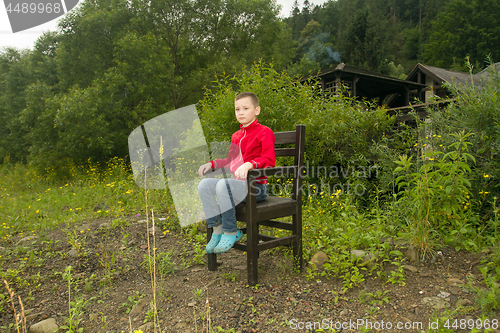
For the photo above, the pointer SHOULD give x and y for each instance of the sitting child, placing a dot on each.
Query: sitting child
(252, 147)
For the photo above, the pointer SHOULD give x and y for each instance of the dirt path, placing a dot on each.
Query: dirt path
(284, 301)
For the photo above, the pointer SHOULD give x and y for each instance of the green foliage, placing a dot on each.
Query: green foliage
(107, 260)
(413, 45)
(164, 263)
(198, 294)
(283, 102)
(437, 183)
(360, 40)
(476, 110)
(368, 34)
(464, 29)
(14, 79)
(489, 297)
(377, 298)
(29, 207)
(347, 135)
(346, 138)
(76, 306)
(229, 276)
(436, 192)
(131, 302)
(396, 276)
(335, 225)
(316, 49)
(116, 64)
(59, 106)
(87, 41)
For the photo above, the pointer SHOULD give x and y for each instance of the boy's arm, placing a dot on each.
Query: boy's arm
(267, 157)
(234, 151)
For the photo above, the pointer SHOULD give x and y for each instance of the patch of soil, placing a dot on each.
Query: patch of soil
(193, 297)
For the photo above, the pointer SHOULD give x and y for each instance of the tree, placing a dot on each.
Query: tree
(43, 59)
(465, 29)
(116, 64)
(204, 37)
(38, 118)
(87, 40)
(329, 17)
(413, 38)
(15, 76)
(360, 43)
(316, 48)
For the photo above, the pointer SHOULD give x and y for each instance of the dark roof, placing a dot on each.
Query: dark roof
(369, 84)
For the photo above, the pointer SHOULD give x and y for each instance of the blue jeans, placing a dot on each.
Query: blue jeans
(228, 193)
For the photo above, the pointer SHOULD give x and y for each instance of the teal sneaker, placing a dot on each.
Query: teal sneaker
(227, 242)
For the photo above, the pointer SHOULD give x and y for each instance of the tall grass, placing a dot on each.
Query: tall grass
(31, 203)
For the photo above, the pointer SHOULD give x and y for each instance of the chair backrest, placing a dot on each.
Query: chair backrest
(297, 138)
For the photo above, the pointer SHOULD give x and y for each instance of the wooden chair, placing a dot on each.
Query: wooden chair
(266, 212)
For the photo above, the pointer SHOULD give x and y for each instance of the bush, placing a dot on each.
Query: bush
(340, 130)
(476, 110)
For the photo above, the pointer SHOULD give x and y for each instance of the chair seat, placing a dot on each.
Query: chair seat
(271, 208)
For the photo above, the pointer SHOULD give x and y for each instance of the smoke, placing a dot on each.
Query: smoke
(334, 55)
(321, 50)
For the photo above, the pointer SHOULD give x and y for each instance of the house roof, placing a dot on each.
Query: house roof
(486, 73)
(368, 84)
(441, 75)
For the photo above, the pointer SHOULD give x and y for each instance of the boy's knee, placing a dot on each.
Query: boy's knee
(221, 188)
(203, 185)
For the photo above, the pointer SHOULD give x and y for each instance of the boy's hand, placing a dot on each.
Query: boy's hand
(204, 169)
(242, 171)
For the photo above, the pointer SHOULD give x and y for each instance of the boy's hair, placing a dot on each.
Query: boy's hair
(255, 99)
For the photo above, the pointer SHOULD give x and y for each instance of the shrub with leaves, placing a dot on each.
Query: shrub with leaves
(475, 109)
(340, 129)
(435, 190)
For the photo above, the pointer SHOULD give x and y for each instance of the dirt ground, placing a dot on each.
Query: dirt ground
(191, 298)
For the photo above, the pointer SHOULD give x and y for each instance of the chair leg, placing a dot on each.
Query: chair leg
(252, 254)
(297, 245)
(211, 257)
(252, 268)
(212, 261)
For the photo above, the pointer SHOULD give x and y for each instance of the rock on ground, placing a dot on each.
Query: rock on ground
(45, 326)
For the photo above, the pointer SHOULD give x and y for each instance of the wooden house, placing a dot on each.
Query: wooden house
(364, 84)
(434, 79)
(424, 85)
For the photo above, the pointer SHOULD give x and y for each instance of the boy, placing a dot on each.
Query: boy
(252, 147)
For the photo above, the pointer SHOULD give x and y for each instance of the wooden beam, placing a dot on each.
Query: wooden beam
(354, 84)
(406, 94)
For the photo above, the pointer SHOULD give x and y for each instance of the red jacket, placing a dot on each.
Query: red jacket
(254, 144)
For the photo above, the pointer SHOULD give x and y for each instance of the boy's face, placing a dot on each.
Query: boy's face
(245, 111)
